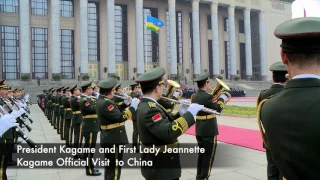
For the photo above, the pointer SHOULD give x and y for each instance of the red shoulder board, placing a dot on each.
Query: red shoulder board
(78, 100)
(87, 104)
(156, 117)
(110, 107)
(213, 100)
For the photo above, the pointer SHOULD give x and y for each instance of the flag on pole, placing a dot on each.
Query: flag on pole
(153, 24)
(304, 12)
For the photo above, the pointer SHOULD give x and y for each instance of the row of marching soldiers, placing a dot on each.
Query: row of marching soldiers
(71, 111)
(14, 111)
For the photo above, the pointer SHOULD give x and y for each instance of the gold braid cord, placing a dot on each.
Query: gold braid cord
(258, 99)
(260, 122)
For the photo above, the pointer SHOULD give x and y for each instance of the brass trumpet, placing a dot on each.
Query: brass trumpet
(288, 76)
(173, 87)
(207, 110)
(220, 89)
(122, 97)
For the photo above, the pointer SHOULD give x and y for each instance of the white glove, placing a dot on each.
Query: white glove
(7, 122)
(128, 101)
(224, 97)
(176, 94)
(15, 114)
(124, 94)
(195, 108)
(134, 103)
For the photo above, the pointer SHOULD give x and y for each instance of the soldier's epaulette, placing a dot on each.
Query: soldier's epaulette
(152, 104)
(106, 99)
(85, 98)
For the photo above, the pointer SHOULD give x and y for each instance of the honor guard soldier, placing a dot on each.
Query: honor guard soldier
(135, 93)
(157, 128)
(57, 110)
(62, 122)
(67, 117)
(76, 119)
(206, 126)
(291, 117)
(48, 105)
(113, 131)
(90, 126)
(53, 107)
(279, 71)
(120, 101)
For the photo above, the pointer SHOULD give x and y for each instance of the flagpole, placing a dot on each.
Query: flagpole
(145, 42)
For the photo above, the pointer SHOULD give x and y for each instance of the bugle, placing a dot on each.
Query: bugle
(19, 131)
(25, 114)
(207, 110)
(122, 97)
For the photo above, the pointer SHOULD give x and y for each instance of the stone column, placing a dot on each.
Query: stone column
(55, 36)
(111, 38)
(83, 37)
(232, 40)
(173, 38)
(139, 37)
(25, 38)
(262, 34)
(196, 38)
(215, 39)
(247, 30)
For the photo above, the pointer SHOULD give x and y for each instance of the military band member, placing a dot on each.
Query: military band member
(119, 92)
(57, 110)
(279, 72)
(90, 126)
(62, 121)
(113, 131)
(76, 119)
(135, 93)
(157, 127)
(67, 116)
(96, 91)
(206, 126)
(291, 117)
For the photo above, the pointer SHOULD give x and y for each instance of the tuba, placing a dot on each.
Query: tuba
(173, 87)
(220, 89)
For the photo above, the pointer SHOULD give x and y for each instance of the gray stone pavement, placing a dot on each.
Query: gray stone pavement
(238, 163)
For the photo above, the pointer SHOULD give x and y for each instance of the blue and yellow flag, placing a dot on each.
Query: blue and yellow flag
(154, 24)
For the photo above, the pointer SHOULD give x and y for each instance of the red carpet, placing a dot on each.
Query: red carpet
(237, 136)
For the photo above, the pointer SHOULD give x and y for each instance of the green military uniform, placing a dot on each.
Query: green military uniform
(46, 103)
(52, 107)
(135, 134)
(157, 127)
(57, 110)
(61, 112)
(90, 127)
(5, 146)
(76, 120)
(291, 117)
(279, 71)
(206, 127)
(66, 101)
(113, 131)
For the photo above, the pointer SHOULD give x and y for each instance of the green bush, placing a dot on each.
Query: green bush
(239, 110)
(25, 77)
(85, 77)
(56, 77)
(220, 77)
(236, 78)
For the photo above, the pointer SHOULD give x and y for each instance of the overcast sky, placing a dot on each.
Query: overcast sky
(312, 8)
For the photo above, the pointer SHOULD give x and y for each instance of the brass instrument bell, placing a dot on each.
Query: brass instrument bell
(220, 89)
(173, 87)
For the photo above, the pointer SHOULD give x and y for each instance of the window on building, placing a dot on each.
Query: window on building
(178, 36)
(151, 39)
(39, 7)
(67, 53)
(209, 22)
(241, 26)
(121, 32)
(226, 24)
(210, 55)
(227, 59)
(10, 52)
(9, 6)
(66, 8)
(93, 32)
(39, 53)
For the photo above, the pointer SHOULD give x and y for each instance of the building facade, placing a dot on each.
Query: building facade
(229, 38)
